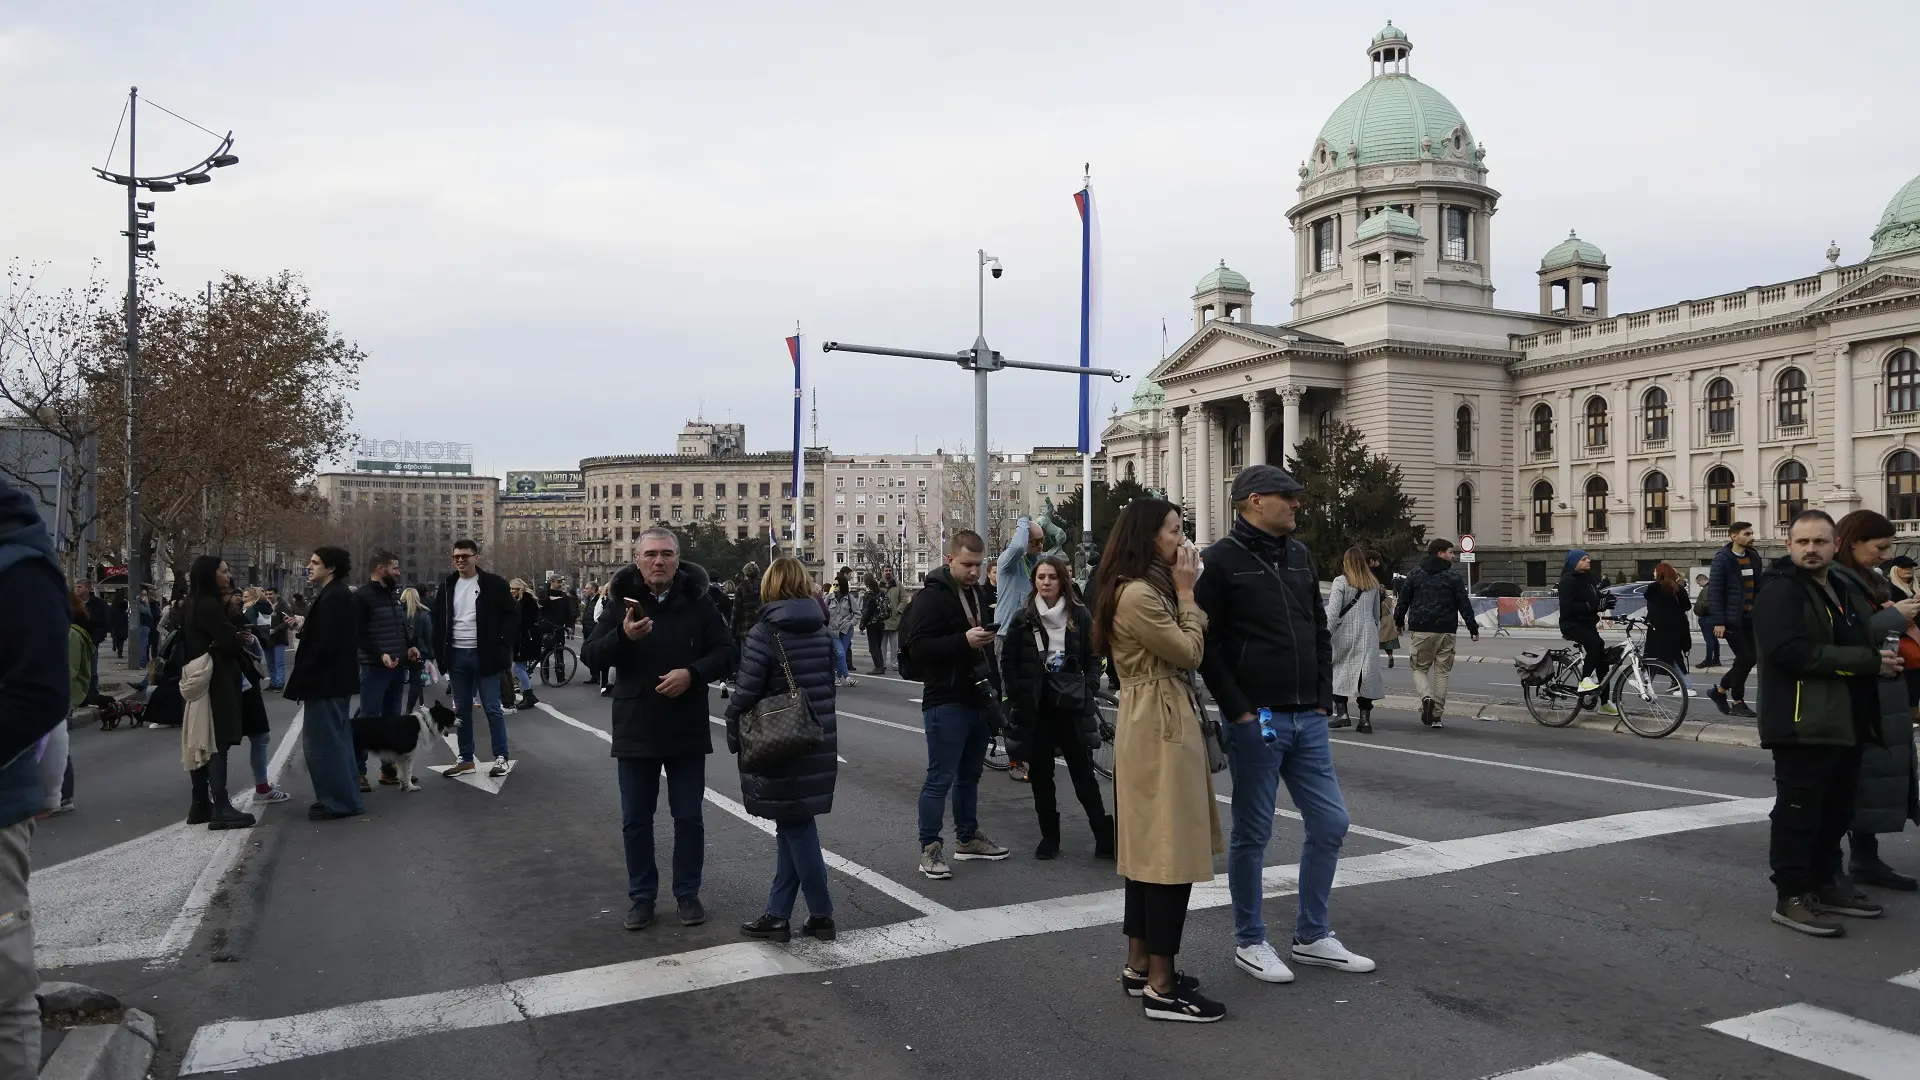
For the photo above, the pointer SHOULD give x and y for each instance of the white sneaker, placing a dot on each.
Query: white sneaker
(499, 767)
(1589, 684)
(1262, 962)
(1328, 952)
(851, 681)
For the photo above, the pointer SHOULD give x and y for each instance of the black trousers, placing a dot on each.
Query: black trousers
(877, 646)
(1157, 914)
(1050, 731)
(1813, 805)
(1740, 640)
(1588, 638)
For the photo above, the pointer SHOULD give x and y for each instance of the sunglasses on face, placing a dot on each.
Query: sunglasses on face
(463, 554)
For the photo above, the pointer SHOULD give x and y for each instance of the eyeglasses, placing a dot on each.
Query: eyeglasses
(463, 554)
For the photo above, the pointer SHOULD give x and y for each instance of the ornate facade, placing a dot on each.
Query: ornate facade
(1638, 436)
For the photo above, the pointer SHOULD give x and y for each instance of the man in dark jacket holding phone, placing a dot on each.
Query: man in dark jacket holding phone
(666, 641)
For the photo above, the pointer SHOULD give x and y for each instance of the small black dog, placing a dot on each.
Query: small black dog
(396, 738)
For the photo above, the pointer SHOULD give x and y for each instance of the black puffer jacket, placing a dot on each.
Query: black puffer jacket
(802, 787)
(380, 623)
(1025, 670)
(687, 633)
(1267, 641)
(1434, 600)
(1580, 599)
(936, 640)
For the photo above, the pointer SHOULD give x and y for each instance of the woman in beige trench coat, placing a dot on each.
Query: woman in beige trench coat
(1167, 829)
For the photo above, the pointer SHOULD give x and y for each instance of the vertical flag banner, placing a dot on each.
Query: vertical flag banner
(799, 455)
(1089, 307)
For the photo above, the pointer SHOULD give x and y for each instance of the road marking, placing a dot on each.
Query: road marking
(1911, 978)
(1391, 838)
(1838, 1041)
(478, 778)
(240, 1044)
(1579, 1067)
(721, 721)
(882, 723)
(1538, 769)
(873, 879)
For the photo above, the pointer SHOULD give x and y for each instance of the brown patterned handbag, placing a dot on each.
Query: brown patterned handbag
(778, 729)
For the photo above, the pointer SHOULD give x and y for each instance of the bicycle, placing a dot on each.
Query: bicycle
(558, 662)
(1651, 696)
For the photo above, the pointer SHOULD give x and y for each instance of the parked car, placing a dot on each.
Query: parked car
(1631, 588)
(1497, 588)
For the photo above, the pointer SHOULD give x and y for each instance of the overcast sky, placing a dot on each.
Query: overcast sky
(563, 236)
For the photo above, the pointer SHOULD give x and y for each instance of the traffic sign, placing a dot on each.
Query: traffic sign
(1466, 543)
(1466, 556)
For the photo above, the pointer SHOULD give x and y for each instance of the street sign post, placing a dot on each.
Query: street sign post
(1466, 545)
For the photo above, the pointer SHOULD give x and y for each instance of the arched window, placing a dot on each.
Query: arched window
(1790, 485)
(1463, 432)
(1720, 407)
(1542, 508)
(1130, 476)
(1790, 398)
(1463, 510)
(1653, 498)
(1596, 422)
(1719, 497)
(1654, 407)
(1597, 505)
(1903, 382)
(1903, 486)
(1543, 428)
(1236, 448)
(1323, 425)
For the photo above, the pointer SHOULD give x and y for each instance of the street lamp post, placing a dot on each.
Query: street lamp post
(138, 247)
(982, 361)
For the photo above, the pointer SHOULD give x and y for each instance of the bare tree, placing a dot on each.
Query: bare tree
(1002, 510)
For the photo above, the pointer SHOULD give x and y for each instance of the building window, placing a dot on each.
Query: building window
(1597, 505)
(1596, 423)
(1463, 432)
(1903, 382)
(1653, 495)
(807, 490)
(1463, 510)
(1903, 486)
(1326, 244)
(1654, 408)
(1792, 397)
(1323, 425)
(1790, 486)
(1543, 428)
(1456, 219)
(1536, 573)
(1543, 508)
(1719, 497)
(765, 510)
(653, 510)
(1236, 448)
(677, 514)
(1720, 407)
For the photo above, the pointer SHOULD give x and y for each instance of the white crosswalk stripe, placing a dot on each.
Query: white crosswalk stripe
(1580, 1067)
(1842, 1043)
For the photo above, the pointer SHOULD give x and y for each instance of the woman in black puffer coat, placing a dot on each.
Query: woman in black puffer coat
(793, 792)
(1039, 723)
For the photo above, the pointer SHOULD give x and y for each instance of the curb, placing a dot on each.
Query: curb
(1716, 733)
(121, 1050)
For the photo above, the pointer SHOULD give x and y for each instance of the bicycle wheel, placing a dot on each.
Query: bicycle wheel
(1103, 754)
(1554, 703)
(559, 666)
(1652, 701)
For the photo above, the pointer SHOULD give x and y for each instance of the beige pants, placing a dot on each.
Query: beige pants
(19, 1011)
(1432, 665)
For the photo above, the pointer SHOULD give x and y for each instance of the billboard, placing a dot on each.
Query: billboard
(413, 455)
(544, 486)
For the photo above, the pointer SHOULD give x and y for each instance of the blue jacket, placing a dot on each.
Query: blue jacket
(1016, 574)
(34, 621)
(803, 787)
(1726, 588)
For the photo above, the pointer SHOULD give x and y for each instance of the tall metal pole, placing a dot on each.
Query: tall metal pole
(980, 408)
(134, 568)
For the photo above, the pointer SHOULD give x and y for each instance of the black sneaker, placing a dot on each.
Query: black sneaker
(1135, 983)
(607, 691)
(1876, 873)
(1739, 708)
(639, 916)
(1833, 900)
(1185, 1005)
(1800, 913)
(1426, 711)
(820, 928)
(768, 928)
(1718, 695)
(691, 912)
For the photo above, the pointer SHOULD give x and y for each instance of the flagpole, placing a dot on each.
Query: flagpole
(1088, 328)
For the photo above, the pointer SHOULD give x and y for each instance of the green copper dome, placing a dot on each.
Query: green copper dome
(1899, 228)
(1390, 220)
(1392, 118)
(1570, 251)
(1149, 396)
(1223, 279)
(1390, 33)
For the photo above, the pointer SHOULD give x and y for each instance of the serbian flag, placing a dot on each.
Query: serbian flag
(799, 459)
(1089, 307)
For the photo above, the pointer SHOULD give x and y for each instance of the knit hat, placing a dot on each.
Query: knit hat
(1574, 555)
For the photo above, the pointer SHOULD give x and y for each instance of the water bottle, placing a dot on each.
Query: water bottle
(1267, 734)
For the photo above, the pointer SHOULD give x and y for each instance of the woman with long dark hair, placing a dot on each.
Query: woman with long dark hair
(843, 614)
(527, 642)
(1166, 827)
(208, 629)
(1888, 795)
(1051, 679)
(1669, 634)
(1355, 606)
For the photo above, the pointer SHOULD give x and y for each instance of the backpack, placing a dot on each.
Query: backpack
(1533, 666)
(1700, 608)
(882, 608)
(908, 667)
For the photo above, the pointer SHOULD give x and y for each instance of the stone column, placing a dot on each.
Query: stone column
(1290, 420)
(1256, 427)
(1600, 297)
(1683, 523)
(1755, 487)
(1546, 297)
(1620, 514)
(1177, 467)
(1569, 446)
(1844, 497)
(1203, 478)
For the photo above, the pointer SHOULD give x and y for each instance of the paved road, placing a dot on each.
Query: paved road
(1530, 895)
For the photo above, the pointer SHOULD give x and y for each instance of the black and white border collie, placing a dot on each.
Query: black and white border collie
(397, 738)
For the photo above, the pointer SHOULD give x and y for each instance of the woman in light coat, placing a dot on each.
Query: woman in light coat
(1353, 619)
(1166, 824)
(843, 614)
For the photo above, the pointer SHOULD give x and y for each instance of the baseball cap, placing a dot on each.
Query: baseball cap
(1264, 480)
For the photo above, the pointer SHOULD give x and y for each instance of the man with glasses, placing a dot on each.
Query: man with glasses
(474, 627)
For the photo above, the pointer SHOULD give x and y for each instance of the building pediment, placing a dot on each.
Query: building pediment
(1886, 284)
(1223, 343)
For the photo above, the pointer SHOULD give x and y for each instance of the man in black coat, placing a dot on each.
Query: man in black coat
(326, 675)
(666, 641)
(1432, 603)
(474, 627)
(380, 626)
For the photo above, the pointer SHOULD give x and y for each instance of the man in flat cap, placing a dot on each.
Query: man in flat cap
(1269, 664)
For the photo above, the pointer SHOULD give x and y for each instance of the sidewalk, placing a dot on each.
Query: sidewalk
(1707, 727)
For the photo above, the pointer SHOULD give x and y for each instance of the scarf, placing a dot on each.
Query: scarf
(1050, 627)
(1160, 576)
(1272, 549)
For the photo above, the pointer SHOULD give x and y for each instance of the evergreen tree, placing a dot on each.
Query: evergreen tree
(1353, 497)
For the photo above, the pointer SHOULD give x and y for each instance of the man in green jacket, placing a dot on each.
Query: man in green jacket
(1818, 705)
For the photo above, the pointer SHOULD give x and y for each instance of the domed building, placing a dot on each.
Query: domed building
(1639, 436)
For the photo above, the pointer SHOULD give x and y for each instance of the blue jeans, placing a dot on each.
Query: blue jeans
(326, 739)
(257, 755)
(799, 866)
(1712, 659)
(276, 665)
(956, 755)
(416, 681)
(842, 648)
(1303, 758)
(380, 689)
(639, 798)
(524, 677)
(465, 670)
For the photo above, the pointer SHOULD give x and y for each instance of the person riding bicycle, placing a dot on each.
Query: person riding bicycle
(1581, 604)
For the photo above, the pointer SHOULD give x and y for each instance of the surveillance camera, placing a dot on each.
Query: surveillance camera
(996, 270)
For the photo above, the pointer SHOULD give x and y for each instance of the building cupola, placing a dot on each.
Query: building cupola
(1222, 294)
